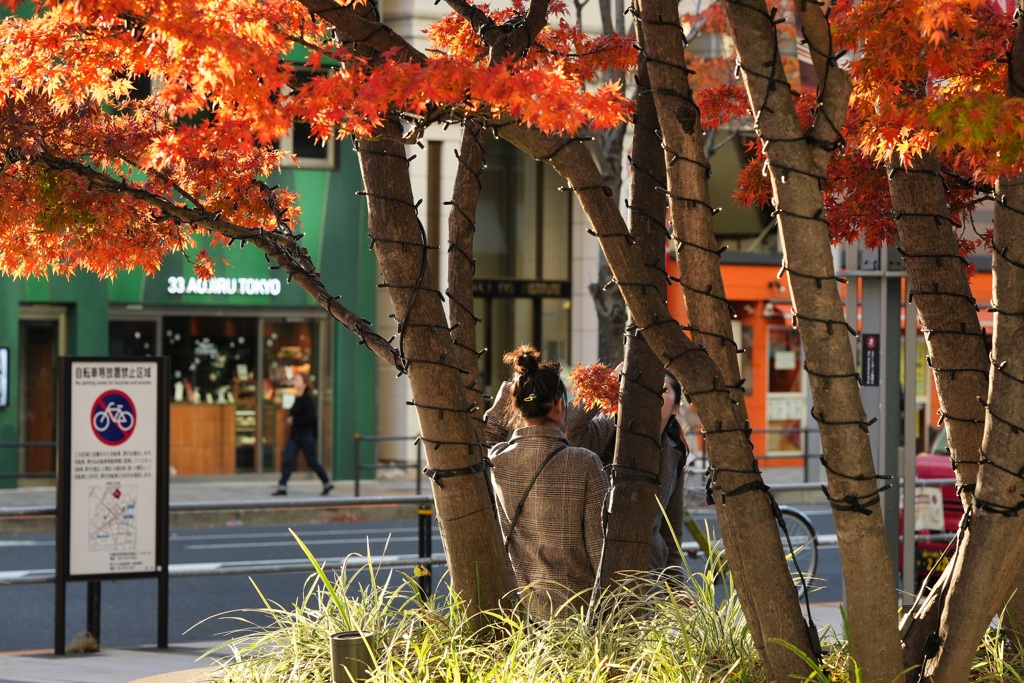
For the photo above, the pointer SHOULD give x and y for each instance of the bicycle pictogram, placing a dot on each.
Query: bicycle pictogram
(113, 417)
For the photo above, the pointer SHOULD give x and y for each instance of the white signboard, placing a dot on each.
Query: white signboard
(928, 514)
(113, 478)
(4, 360)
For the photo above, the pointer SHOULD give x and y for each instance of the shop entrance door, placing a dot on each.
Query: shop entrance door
(42, 339)
(290, 346)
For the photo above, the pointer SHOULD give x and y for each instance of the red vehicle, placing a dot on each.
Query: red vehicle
(937, 510)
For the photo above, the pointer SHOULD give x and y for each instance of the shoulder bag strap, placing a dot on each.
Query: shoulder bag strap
(522, 502)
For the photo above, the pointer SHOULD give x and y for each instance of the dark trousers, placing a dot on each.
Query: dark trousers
(306, 442)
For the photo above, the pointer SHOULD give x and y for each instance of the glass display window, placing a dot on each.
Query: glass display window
(135, 338)
(787, 399)
(213, 360)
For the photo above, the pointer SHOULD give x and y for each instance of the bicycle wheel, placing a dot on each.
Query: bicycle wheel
(801, 546)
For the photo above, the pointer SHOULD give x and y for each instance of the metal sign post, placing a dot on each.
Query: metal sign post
(112, 479)
(874, 289)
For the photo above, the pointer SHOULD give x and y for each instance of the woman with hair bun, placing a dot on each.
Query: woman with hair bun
(549, 494)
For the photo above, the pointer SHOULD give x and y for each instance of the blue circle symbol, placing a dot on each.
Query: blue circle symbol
(113, 417)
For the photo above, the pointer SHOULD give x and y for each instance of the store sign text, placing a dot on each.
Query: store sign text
(246, 286)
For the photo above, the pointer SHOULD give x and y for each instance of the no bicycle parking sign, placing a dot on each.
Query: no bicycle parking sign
(112, 507)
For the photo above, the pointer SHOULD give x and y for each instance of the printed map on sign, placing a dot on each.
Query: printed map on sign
(112, 524)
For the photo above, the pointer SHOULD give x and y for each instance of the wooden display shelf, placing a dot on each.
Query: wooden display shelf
(202, 438)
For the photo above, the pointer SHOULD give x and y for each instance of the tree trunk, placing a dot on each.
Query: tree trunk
(697, 252)
(993, 536)
(937, 281)
(748, 527)
(611, 310)
(688, 171)
(462, 265)
(480, 571)
(612, 316)
(635, 469)
(987, 562)
(1010, 196)
(797, 171)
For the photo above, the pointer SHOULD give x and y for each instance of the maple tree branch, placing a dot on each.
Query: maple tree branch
(359, 29)
(511, 39)
(834, 88)
(279, 245)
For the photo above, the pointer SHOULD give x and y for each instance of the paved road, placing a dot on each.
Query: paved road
(128, 607)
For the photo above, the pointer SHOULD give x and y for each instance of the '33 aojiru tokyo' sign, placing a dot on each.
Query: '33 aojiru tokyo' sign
(112, 475)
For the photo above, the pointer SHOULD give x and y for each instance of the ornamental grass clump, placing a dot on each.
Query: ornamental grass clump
(647, 629)
(687, 629)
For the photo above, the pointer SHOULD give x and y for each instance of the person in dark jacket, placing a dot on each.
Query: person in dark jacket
(303, 422)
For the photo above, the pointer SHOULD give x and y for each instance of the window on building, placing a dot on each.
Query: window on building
(523, 256)
(309, 152)
(135, 338)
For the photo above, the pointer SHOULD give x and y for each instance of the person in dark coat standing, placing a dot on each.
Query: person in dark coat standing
(549, 494)
(303, 421)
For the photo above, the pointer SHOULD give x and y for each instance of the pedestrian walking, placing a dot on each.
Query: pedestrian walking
(303, 421)
(549, 494)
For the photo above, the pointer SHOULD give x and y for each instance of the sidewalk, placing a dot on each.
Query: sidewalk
(177, 664)
(254, 491)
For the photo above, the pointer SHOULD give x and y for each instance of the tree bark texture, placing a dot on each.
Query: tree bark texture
(937, 282)
(1008, 194)
(987, 563)
(751, 537)
(635, 468)
(797, 171)
(462, 264)
(987, 567)
(687, 173)
(480, 570)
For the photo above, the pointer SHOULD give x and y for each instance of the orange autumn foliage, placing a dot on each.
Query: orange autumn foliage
(225, 91)
(595, 386)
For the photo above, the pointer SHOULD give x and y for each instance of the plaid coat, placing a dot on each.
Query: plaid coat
(555, 547)
(597, 433)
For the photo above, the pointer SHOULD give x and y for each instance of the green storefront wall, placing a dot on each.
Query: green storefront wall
(334, 222)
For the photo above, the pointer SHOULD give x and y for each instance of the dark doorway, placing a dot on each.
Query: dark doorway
(39, 347)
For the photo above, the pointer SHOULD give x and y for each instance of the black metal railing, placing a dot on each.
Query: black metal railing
(424, 513)
(358, 466)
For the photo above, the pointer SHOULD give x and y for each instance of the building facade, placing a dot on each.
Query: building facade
(234, 342)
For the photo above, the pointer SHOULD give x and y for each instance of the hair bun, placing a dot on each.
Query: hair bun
(524, 360)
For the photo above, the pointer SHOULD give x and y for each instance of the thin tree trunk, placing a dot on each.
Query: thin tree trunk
(612, 316)
(937, 281)
(480, 571)
(995, 535)
(748, 527)
(987, 562)
(1010, 196)
(635, 469)
(797, 167)
(462, 265)
(688, 171)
